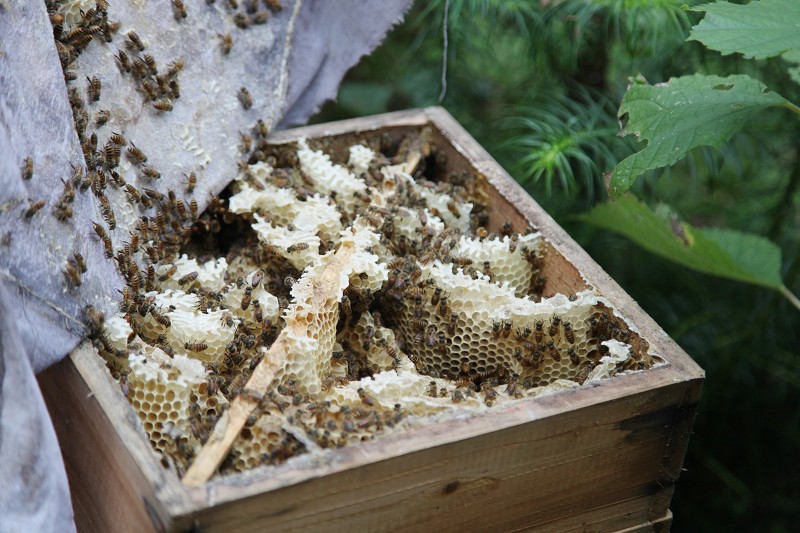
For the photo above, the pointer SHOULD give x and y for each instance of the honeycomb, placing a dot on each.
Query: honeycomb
(381, 292)
(170, 395)
(365, 274)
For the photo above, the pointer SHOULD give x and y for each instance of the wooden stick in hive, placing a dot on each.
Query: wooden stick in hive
(326, 287)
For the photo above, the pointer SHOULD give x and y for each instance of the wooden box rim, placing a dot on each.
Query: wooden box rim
(178, 500)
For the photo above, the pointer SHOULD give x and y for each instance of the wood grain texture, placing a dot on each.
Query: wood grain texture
(603, 457)
(110, 491)
(596, 465)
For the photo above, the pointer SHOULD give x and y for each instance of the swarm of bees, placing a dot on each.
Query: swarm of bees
(455, 310)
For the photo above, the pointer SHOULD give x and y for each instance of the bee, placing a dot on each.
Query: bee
(346, 306)
(507, 228)
(241, 20)
(33, 209)
(188, 278)
(134, 41)
(374, 220)
(583, 373)
(462, 261)
(496, 329)
(150, 172)
(512, 244)
(163, 105)
(101, 232)
(107, 212)
(457, 396)
(245, 98)
(536, 358)
(94, 88)
(274, 5)
(298, 247)
(175, 88)
(437, 294)
(430, 336)
(161, 319)
(481, 232)
(451, 326)
(191, 182)
(27, 168)
(487, 269)
(366, 198)
(554, 354)
(539, 331)
(63, 212)
(489, 395)
(175, 67)
(569, 333)
(511, 387)
(443, 308)
(453, 208)
(152, 254)
(135, 155)
(193, 209)
(180, 9)
(573, 356)
(524, 334)
(195, 346)
(366, 399)
(432, 390)
(246, 298)
(260, 17)
(392, 351)
(227, 42)
(507, 325)
(442, 346)
(95, 318)
(73, 274)
(553, 330)
(111, 151)
(118, 139)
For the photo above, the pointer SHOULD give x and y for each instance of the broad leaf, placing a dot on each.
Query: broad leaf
(682, 114)
(793, 57)
(758, 30)
(721, 252)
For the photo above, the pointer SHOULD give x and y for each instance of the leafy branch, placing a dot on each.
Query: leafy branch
(698, 110)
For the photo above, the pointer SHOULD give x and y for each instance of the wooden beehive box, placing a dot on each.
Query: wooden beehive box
(603, 457)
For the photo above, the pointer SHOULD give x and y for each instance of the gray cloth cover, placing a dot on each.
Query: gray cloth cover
(290, 65)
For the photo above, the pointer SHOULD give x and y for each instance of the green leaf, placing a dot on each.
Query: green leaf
(720, 252)
(793, 57)
(757, 30)
(682, 114)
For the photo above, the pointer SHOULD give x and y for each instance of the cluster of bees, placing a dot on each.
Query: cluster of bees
(410, 304)
(169, 227)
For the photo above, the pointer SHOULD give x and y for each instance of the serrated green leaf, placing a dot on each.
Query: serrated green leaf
(682, 114)
(758, 30)
(720, 252)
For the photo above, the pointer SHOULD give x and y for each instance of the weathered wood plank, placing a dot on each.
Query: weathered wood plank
(554, 473)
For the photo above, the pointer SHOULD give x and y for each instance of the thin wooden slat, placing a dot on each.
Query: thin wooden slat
(229, 426)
